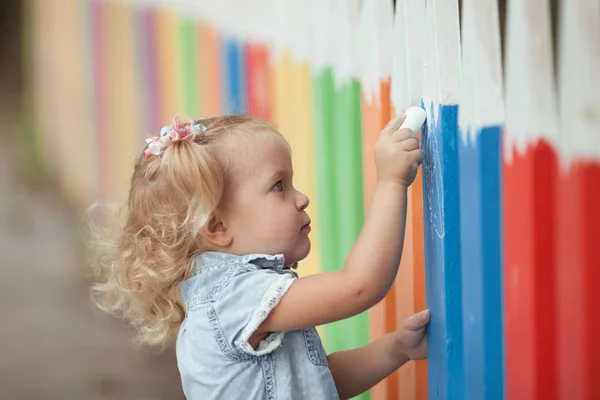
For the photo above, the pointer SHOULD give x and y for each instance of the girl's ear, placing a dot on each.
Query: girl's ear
(216, 233)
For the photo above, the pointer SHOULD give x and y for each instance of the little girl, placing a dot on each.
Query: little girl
(213, 230)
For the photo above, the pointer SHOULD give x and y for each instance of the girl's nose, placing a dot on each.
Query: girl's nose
(302, 201)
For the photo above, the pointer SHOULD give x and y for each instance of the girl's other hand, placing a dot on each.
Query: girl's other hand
(411, 338)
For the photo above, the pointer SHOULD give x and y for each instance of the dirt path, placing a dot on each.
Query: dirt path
(53, 344)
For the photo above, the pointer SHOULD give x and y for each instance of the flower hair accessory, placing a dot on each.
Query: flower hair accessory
(172, 133)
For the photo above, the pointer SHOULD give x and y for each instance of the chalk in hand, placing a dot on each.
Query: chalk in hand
(415, 117)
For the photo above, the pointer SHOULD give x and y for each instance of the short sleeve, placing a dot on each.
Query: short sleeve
(246, 301)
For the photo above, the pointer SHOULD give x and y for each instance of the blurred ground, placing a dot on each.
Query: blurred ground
(53, 344)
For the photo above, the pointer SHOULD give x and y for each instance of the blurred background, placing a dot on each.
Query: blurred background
(54, 345)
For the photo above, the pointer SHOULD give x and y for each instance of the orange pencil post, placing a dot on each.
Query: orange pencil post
(376, 32)
(210, 82)
(413, 378)
(409, 288)
(406, 89)
(376, 114)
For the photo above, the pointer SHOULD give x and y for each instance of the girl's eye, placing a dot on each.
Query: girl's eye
(278, 187)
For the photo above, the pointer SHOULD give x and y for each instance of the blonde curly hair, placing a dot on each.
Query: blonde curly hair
(139, 266)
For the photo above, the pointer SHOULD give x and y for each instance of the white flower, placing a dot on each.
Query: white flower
(155, 147)
(198, 129)
(165, 130)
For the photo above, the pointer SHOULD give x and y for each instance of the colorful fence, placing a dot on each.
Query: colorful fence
(502, 239)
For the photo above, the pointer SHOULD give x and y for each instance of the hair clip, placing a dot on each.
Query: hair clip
(172, 133)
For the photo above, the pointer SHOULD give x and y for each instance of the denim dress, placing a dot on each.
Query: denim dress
(226, 301)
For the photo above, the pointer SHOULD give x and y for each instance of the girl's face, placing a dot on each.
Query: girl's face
(264, 213)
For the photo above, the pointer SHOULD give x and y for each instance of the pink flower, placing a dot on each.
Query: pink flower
(178, 131)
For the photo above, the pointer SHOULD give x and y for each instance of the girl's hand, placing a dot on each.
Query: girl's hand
(410, 339)
(357, 370)
(397, 153)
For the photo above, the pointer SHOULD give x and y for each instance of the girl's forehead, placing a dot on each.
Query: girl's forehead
(260, 156)
(271, 154)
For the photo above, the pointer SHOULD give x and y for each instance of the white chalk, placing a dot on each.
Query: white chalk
(415, 117)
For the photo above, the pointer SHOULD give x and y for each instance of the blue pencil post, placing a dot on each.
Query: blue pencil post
(442, 252)
(481, 255)
(233, 56)
(441, 200)
(480, 159)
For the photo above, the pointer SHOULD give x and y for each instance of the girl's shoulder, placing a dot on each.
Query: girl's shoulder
(233, 295)
(221, 274)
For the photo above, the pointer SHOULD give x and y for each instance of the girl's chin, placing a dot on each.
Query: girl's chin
(300, 254)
